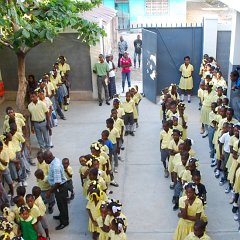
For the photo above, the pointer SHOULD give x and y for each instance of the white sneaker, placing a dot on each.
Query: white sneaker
(115, 170)
(24, 183)
(235, 217)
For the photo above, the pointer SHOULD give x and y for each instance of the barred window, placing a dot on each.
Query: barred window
(156, 7)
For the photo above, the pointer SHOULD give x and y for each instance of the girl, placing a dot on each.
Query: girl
(128, 107)
(201, 94)
(84, 171)
(191, 208)
(120, 110)
(117, 230)
(96, 153)
(206, 108)
(186, 81)
(173, 92)
(93, 206)
(191, 166)
(172, 111)
(199, 231)
(176, 125)
(126, 63)
(28, 224)
(136, 101)
(100, 220)
(173, 150)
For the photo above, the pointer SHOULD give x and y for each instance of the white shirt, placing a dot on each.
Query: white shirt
(224, 139)
(111, 73)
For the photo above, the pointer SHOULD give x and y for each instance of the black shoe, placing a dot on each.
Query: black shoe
(175, 207)
(72, 196)
(61, 226)
(32, 163)
(63, 118)
(189, 101)
(174, 200)
(56, 217)
(50, 210)
(132, 134)
(100, 104)
(126, 133)
(107, 103)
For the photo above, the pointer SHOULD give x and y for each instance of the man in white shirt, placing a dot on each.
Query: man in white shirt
(112, 84)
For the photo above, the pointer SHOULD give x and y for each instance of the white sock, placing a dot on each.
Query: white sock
(50, 141)
(189, 97)
(182, 97)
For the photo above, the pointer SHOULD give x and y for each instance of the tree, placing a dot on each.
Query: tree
(24, 24)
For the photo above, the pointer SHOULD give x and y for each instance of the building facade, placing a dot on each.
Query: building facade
(133, 12)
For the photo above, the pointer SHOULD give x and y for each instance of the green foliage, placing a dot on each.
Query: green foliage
(25, 24)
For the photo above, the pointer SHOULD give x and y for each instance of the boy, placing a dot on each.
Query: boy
(68, 174)
(165, 138)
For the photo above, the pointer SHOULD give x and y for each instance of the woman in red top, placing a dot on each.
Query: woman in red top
(125, 64)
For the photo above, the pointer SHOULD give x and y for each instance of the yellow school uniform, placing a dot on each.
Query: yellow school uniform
(186, 176)
(231, 143)
(186, 226)
(179, 169)
(113, 135)
(114, 236)
(102, 162)
(135, 112)
(50, 89)
(70, 170)
(170, 114)
(64, 68)
(20, 122)
(44, 167)
(233, 168)
(95, 211)
(233, 121)
(41, 206)
(139, 97)
(82, 171)
(192, 236)
(173, 146)
(5, 157)
(56, 81)
(212, 117)
(206, 106)
(17, 140)
(118, 124)
(108, 220)
(186, 81)
(180, 120)
(219, 83)
(35, 212)
(128, 107)
(120, 112)
(102, 235)
(165, 138)
(38, 111)
(10, 150)
(217, 97)
(178, 127)
(43, 184)
(236, 186)
(201, 94)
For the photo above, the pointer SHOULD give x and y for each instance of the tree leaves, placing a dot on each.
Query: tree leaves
(26, 23)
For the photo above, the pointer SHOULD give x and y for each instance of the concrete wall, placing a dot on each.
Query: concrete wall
(40, 60)
(177, 12)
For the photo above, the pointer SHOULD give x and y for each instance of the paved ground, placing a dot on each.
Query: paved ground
(143, 190)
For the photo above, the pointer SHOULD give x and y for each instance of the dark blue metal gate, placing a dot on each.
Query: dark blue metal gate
(173, 43)
(149, 64)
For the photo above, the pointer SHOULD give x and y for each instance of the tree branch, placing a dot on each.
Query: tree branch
(27, 49)
(6, 44)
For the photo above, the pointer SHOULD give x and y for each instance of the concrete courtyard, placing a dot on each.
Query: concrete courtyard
(143, 190)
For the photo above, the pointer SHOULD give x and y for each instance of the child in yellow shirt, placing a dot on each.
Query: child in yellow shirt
(165, 138)
(42, 181)
(36, 192)
(68, 174)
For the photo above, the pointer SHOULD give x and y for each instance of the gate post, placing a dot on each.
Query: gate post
(210, 26)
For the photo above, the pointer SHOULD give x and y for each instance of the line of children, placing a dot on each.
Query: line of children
(106, 220)
(178, 157)
(222, 129)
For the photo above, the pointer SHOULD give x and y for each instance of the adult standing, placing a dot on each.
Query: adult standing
(126, 64)
(112, 84)
(59, 187)
(40, 123)
(137, 51)
(186, 81)
(122, 47)
(101, 68)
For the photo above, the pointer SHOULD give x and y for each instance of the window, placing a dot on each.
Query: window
(156, 7)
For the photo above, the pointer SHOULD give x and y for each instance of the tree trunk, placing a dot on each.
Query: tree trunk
(21, 94)
(22, 84)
